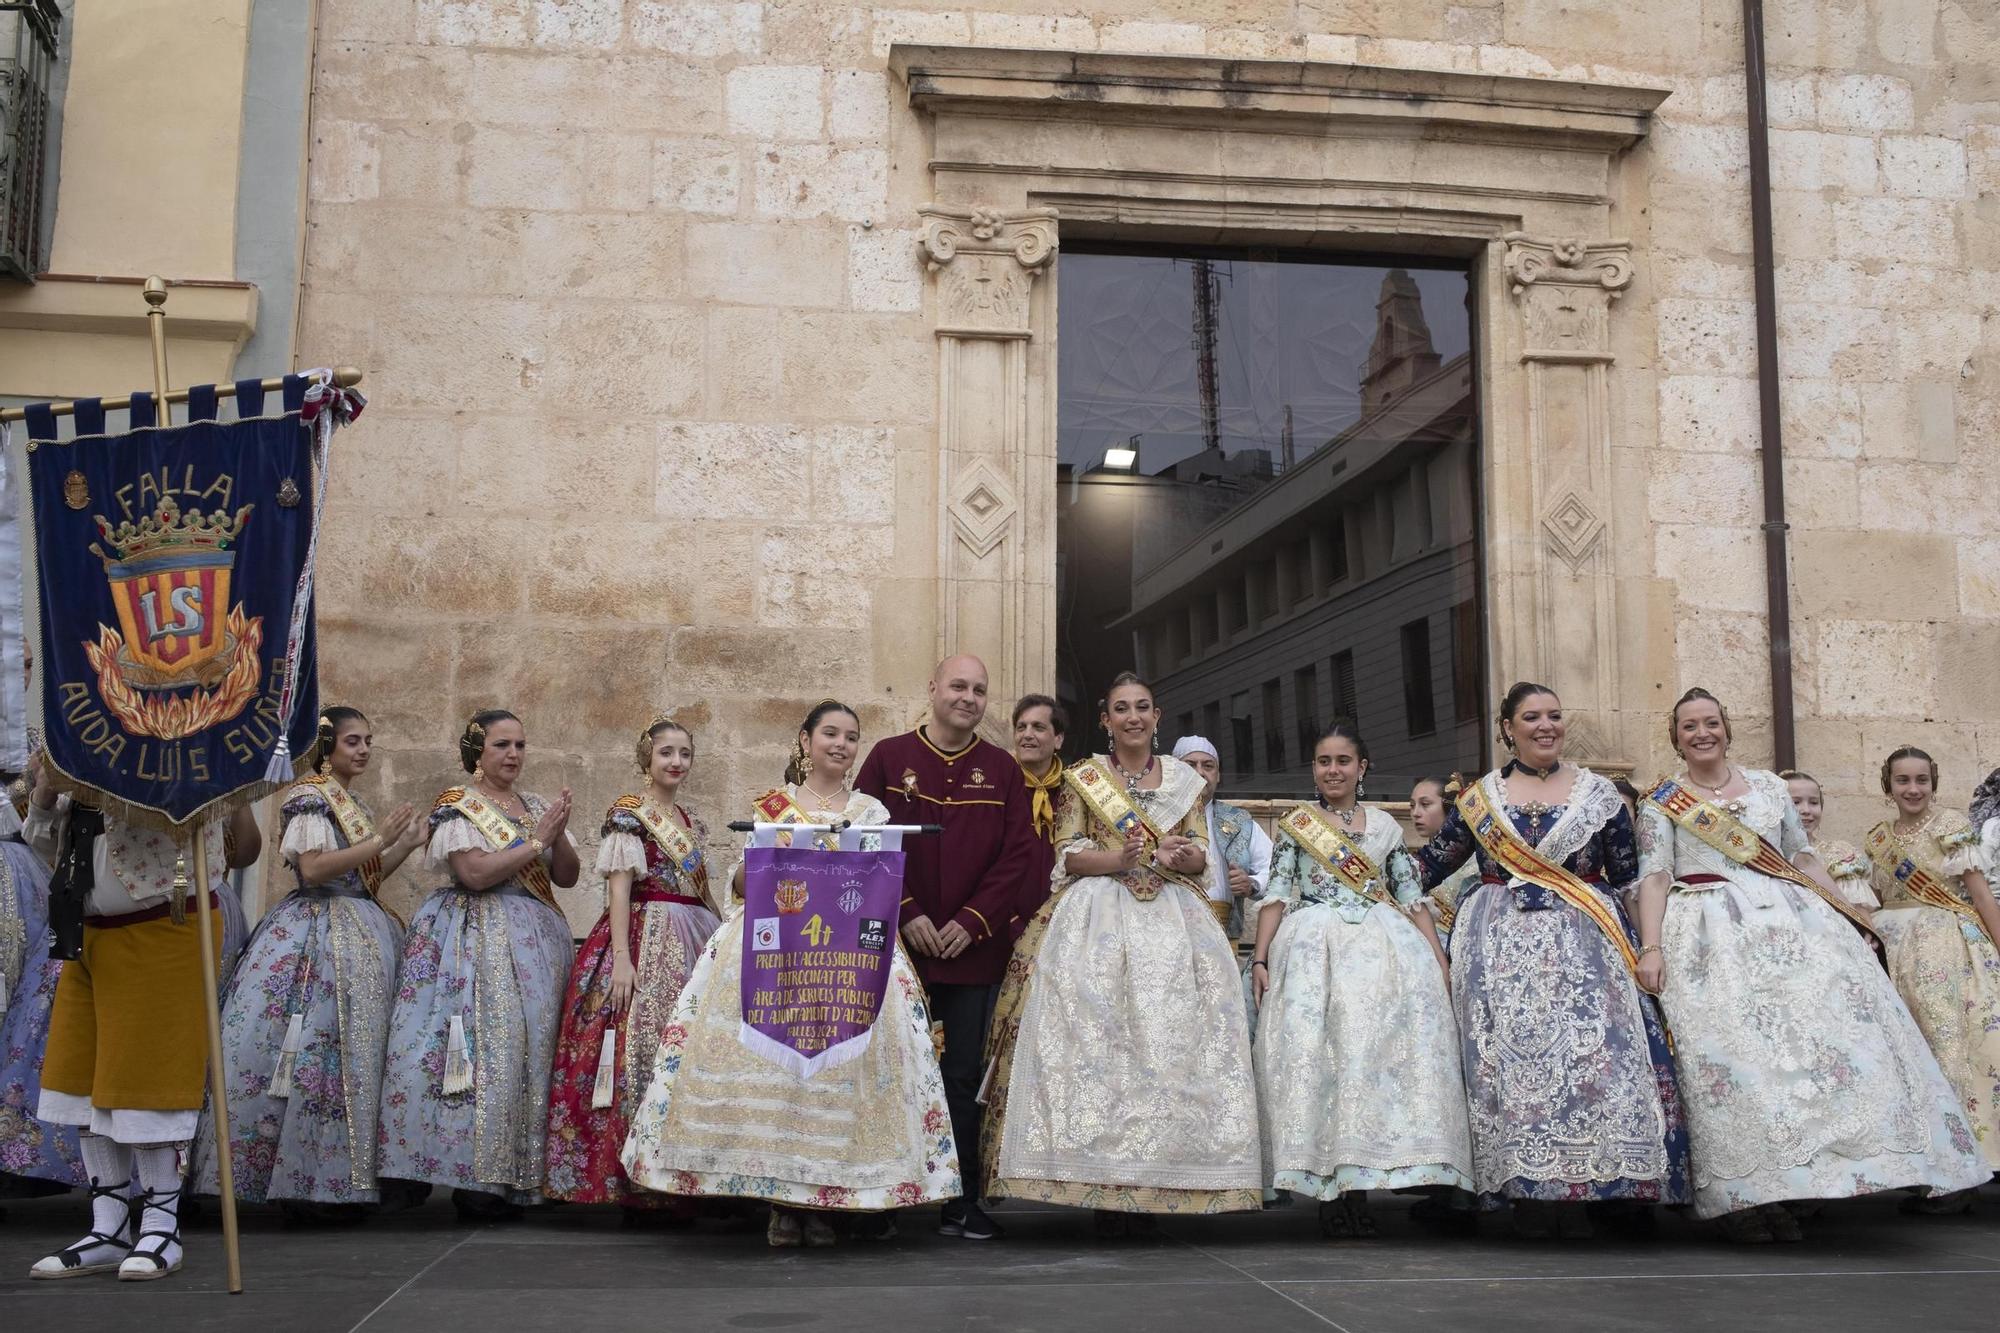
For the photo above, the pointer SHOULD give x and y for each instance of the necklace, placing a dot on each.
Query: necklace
(1345, 814)
(1897, 826)
(1715, 789)
(1522, 766)
(1132, 780)
(502, 801)
(837, 801)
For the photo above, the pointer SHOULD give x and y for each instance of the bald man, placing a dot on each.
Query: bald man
(963, 888)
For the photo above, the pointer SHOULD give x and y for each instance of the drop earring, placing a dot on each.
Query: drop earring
(478, 771)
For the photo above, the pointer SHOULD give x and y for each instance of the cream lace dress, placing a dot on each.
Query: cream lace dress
(1802, 1074)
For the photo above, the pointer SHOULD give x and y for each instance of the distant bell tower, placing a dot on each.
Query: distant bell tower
(1402, 354)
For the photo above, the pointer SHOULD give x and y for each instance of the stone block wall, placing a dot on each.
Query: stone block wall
(654, 387)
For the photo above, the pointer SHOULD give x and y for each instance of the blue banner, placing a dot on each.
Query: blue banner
(165, 562)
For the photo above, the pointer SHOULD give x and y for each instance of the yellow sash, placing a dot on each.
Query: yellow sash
(1744, 845)
(1924, 886)
(355, 826)
(1499, 839)
(1337, 853)
(1106, 797)
(777, 807)
(502, 833)
(673, 840)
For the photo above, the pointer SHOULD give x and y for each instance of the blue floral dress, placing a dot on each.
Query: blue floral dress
(496, 961)
(327, 955)
(1569, 1080)
(28, 1147)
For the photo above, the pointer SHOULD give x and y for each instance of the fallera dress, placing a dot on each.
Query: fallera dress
(1945, 967)
(1357, 1053)
(670, 923)
(1121, 1068)
(480, 979)
(718, 1119)
(1569, 1083)
(1803, 1075)
(325, 956)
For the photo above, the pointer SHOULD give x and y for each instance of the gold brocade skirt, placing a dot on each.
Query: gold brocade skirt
(1120, 1059)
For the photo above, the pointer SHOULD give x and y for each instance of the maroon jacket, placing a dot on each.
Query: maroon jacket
(976, 871)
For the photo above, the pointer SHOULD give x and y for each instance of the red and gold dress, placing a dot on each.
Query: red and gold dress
(594, 1083)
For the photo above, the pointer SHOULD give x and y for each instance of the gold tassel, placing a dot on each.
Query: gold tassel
(280, 1086)
(457, 1061)
(607, 1070)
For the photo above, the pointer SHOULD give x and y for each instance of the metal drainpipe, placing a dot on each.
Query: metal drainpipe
(1771, 425)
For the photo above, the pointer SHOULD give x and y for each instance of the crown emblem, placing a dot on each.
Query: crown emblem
(791, 897)
(169, 536)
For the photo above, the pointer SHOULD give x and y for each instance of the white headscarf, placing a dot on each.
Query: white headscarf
(1188, 745)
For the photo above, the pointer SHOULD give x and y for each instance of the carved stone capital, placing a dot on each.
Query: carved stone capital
(1565, 289)
(986, 262)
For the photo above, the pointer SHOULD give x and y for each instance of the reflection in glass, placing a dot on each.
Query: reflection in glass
(1268, 505)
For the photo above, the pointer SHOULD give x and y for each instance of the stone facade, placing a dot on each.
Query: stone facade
(710, 346)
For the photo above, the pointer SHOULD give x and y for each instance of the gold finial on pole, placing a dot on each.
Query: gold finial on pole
(156, 323)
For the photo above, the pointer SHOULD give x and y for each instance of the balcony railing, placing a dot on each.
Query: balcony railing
(29, 31)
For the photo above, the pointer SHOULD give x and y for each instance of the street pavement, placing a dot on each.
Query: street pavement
(1862, 1267)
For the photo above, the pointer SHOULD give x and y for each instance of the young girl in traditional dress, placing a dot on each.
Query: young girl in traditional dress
(720, 1119)
(1844, 862)
(1802, 1073)
(1357, 1055)
(1568, 1078)
(479, 993)
(628, 976)
(305, 1022)
(1430, 798)
(1939, 921)
(1121, 1062)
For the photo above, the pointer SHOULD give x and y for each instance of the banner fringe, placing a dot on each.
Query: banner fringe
(833, 1057)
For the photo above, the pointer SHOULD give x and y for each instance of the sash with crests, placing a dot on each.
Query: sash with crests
(1924, 886)
(1336, 853)
(1500, 840)
(355, 826)
(674, 840)
(1742, 844)
(159, 580)
(501, 833)
(1105, 797)
(777, 807)
(819, 934)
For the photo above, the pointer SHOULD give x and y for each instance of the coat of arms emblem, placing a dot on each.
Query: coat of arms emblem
(791, 896)
(169, 575)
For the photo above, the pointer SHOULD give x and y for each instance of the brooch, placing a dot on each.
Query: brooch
(288, 492)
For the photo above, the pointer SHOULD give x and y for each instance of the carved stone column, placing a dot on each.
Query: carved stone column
(996, 443)
(1564, 290)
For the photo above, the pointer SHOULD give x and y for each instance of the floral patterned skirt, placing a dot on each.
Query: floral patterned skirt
(1802, 1073)
(584, 1141)
(28, 1147)
(1121, 1059)
(1948, 972)
(1357, 1059)
(1569, 1082)
(329, 958)
(720, 1120)
(495, 960)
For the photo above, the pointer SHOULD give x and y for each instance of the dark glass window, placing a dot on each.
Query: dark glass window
(1267, 462)
(1419, 710)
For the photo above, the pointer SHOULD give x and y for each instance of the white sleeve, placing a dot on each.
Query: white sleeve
(1260, 860)
(42, 829)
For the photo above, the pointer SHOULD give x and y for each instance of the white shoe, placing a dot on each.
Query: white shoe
(157, 1250)
(99, 1251)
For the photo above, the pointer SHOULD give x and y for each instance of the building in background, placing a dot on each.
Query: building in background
(723, 356)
